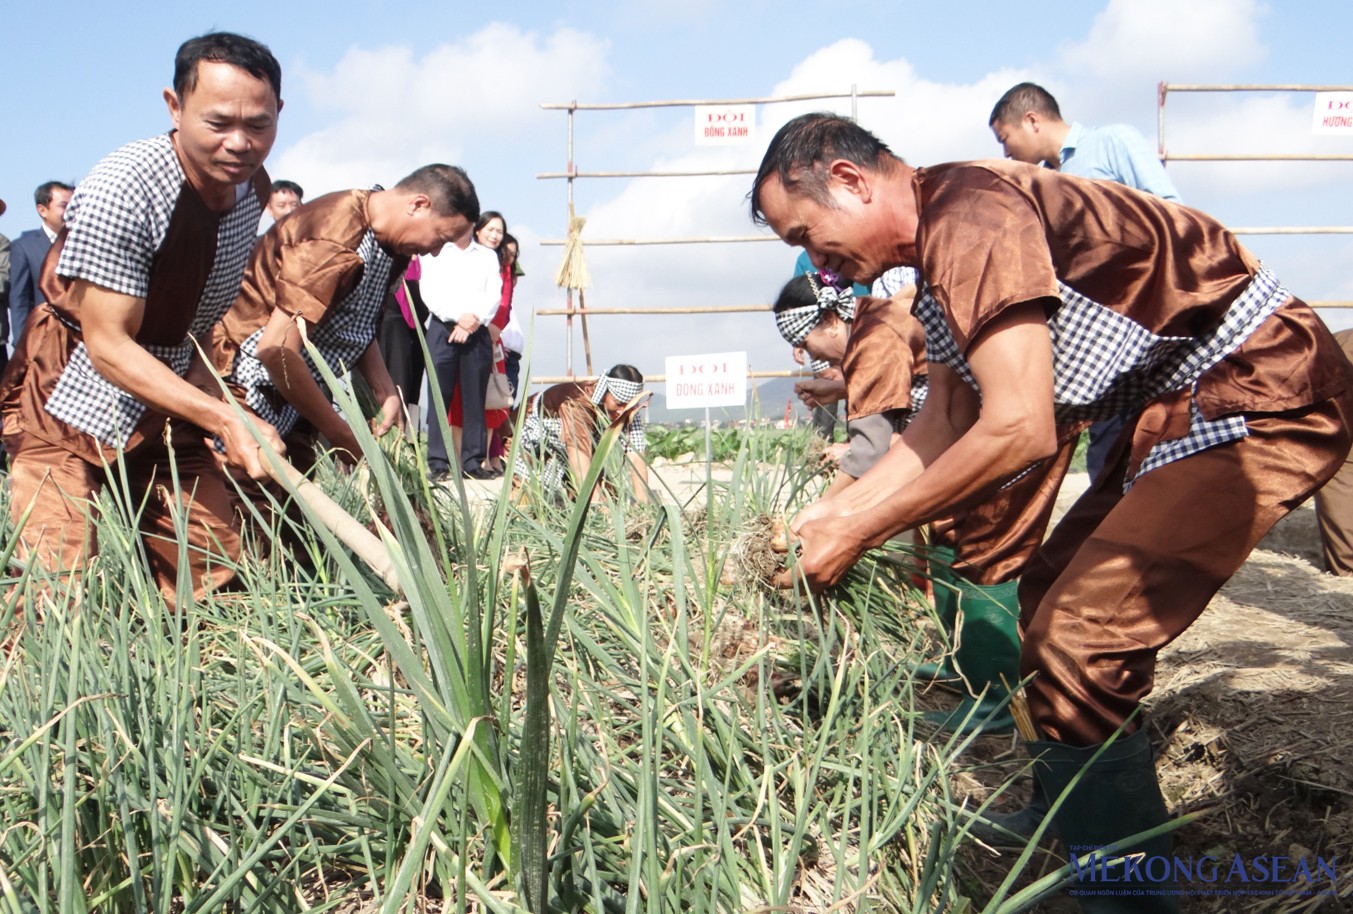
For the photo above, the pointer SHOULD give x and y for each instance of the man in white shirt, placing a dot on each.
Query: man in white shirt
(462, 287)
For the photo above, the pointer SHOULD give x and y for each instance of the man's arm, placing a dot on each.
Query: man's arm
(23, 280)
(951, 453)
(279, 349)
(4, 288)
(820, 391)
(371, 365)
(1136, 165)
(110, 321)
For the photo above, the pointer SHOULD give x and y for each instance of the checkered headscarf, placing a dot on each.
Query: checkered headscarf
(795, 324)
(622, 390)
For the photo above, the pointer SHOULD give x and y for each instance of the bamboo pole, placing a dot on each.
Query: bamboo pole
(587, 342)
(557, 242)
(647, 174)
(340, 523)
(688, 309)
(690, 103)
(1250, 87)
(546, 380)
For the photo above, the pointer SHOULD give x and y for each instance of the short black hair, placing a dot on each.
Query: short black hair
(625, 373)
(799, 149)
(448, 187)
(43, 195)
(1022, 98)
(249, 55)
(288, 185)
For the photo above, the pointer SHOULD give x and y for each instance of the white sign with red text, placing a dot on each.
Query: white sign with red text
(699, 381)
(1333, 113)
(725, 125)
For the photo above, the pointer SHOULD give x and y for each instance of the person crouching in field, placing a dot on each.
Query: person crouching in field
(333, 263)
(1242, 397)
(155, 239)
(563, 424)
(975, 557)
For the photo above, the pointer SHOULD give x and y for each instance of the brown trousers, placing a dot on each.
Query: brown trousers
(1123, 575)
(1334, 503)
(995, 539)
(59, 493)
(1334, 514)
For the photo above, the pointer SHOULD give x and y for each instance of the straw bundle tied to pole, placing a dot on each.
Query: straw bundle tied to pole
(573, 274)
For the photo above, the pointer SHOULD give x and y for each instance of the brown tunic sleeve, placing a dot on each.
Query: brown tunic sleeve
(303, 265)
(886, 350)
(983, 248)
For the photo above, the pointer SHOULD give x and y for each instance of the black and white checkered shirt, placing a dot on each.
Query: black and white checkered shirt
(345, 333)
(1105, 364)
(117, 220)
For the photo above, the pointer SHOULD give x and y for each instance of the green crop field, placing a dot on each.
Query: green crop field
(563, 709)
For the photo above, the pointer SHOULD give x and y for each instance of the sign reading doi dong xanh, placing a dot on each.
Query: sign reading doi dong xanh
(701, 381)
(725, 125)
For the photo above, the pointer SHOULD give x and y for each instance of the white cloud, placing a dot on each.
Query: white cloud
(391, 112)
(1135, 41)
(479, 98)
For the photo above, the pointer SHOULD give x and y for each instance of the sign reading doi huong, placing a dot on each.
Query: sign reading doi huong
(1333, 113)
(725, 125)
(699, 381)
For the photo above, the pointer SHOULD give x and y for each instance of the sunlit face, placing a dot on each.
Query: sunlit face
(53, 215)
(1019, 139)
(225, 127)
(420, 230)
(281, 203)
(839, 238)
(491, 235)
(510, 253)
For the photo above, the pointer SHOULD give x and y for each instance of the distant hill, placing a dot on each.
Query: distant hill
(768, 400)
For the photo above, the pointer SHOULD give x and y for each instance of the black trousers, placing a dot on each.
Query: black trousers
(403, 356)
(466, 366)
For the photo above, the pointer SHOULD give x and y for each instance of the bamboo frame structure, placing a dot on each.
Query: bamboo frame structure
(571, 174)
(1162, 92)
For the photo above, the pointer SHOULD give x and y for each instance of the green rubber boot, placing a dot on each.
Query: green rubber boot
(1117, 796)
(940, 560)
(986, 657)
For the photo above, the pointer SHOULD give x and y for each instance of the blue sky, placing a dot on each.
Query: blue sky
(374, 89)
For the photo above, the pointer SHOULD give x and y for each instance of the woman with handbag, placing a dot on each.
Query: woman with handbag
(491, 232)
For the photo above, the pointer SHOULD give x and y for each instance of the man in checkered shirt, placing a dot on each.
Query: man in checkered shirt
(156, 240)
(333, 263)
(1050, 299)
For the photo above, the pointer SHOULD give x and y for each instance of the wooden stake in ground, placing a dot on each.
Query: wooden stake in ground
(573, 274)
(340, 523)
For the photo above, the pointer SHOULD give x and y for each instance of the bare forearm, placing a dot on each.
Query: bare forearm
(969, 470)
(371, 365)
(292, 378)
(131, 367)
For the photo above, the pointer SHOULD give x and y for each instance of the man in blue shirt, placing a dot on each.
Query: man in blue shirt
(1029, 126)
